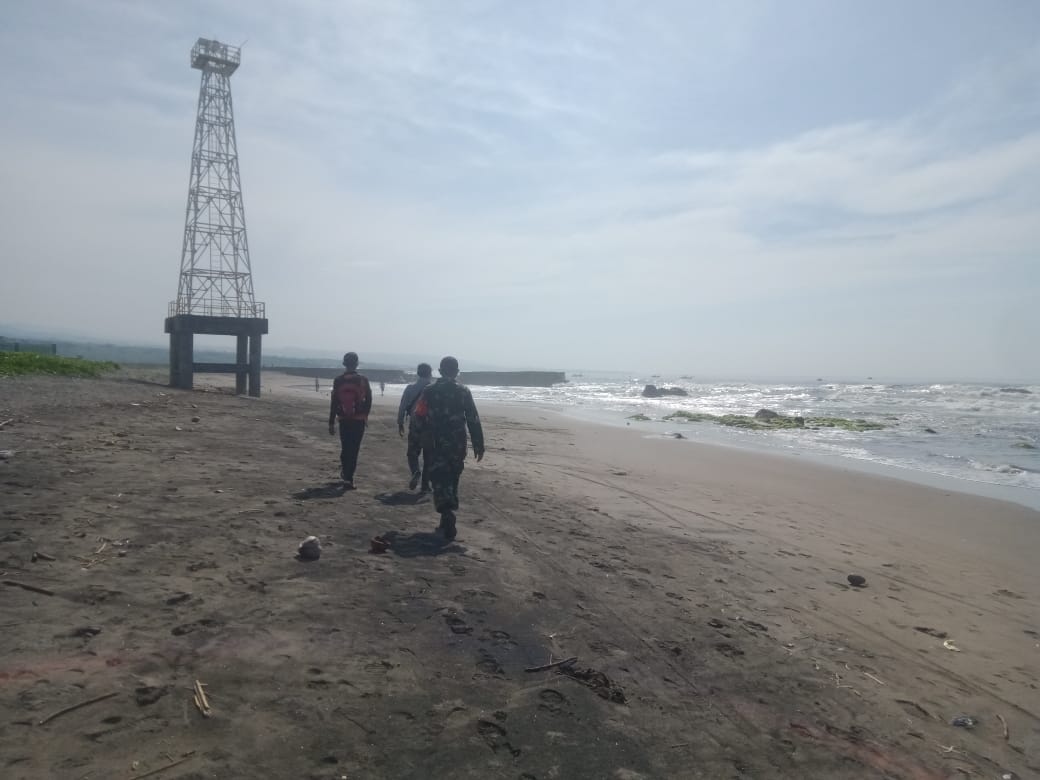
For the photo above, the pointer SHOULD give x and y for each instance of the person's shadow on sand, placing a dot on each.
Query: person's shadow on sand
(420, 543)
(329, 490)
(402, 498)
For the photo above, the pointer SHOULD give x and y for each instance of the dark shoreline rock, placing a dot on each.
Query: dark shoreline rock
(653, 391)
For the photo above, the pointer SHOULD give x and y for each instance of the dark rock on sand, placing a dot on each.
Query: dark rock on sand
(1020, 390)
(766, 414)
(653, 391)
(857, 581)
(930, 430)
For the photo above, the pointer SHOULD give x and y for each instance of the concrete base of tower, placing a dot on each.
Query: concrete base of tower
(246, 368)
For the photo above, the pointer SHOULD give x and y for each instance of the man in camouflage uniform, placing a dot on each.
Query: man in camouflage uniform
(447, 410)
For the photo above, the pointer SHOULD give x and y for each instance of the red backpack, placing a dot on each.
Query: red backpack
(351, 396)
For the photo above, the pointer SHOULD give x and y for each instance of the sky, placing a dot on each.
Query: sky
(742, 189)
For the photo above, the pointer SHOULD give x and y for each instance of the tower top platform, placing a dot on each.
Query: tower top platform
(215, 56)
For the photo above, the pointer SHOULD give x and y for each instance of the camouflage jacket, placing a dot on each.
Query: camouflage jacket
(447, 410)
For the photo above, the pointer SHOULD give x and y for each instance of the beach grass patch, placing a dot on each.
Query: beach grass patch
(24, 363)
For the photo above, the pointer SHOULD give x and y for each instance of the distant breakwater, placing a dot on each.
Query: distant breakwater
(391, 376)
(396, 376)
(514, 378)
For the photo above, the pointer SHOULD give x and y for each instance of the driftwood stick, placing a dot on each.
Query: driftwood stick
(200, 699)
(95, 700)
(33, 588)
(171, 765)
(553, 665)
(5, 422)
(42, 556)
(1007, 731)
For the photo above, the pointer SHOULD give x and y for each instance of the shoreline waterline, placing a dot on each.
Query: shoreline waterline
(708, 435)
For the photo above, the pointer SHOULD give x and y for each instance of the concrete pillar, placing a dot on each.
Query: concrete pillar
(174, 365)
(185, 360)
(254, 365)
(242, 356)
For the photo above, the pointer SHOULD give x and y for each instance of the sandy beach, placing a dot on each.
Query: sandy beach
(702, 590)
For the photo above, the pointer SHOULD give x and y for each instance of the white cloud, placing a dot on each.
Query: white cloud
(422, 168)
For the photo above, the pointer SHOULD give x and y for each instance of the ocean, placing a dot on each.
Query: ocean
(985, 435)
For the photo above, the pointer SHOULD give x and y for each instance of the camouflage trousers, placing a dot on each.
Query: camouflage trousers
(445, 468)
(418, 446)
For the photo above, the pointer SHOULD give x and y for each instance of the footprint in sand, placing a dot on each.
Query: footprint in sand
(495, 737)
(729, 650)
(487, 664)
(457, 625)
(551, 701)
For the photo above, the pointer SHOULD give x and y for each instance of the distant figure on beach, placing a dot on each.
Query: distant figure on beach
(317, 385)
(447, 410)
(382, 388)
(409, 398)
(351, 403)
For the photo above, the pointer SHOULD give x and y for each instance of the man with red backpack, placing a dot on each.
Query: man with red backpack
(351, 403)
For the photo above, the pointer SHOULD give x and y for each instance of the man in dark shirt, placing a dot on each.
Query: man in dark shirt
(351, 403)
(409, 398)
(447, 412)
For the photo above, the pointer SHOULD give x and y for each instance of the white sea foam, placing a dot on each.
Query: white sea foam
(981, 433)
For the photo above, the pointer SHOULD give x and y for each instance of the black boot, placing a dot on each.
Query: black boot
(447, 526)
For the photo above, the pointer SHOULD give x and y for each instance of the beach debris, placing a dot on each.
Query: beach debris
(553, 665)
(1008, 776)
(598, 682)
(196, 419)
(1007, 731)
(85, 632)
(872, 677)
(678, 435)
(200, 699)
(857, 580)
(33, 588)
(379, 545)
(86, 703)
(949, 645)
(163, 768)
(6, 454)
(309, 549)
(931, 632)
(178, 428)
(965, 722)
(6, 422)
(42, 556)
(913, 708)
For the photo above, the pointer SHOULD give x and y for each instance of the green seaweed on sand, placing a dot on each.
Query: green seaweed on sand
(690, 416)
(776, 423)
(639, 417)
(857, 425)
(1024, 445)
(22, 363)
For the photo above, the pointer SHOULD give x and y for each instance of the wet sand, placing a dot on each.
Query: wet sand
(702, 590)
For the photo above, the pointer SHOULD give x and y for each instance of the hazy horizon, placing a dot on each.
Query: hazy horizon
(750, 190)
(407, 362)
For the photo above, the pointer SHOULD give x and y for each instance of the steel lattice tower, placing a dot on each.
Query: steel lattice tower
(216, 279)
(215, 290)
